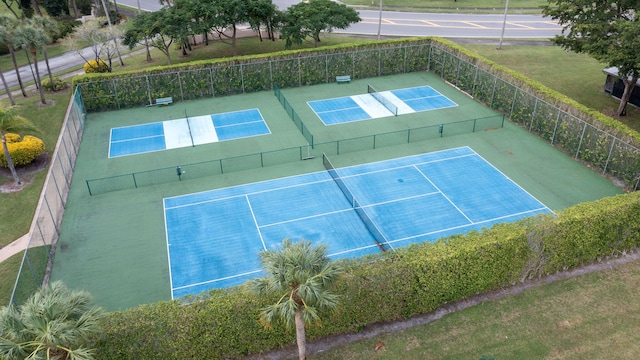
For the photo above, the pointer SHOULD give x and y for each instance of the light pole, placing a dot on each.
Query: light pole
(380, 20)
(504, 24)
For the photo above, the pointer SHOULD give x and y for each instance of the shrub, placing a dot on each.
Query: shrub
(65, 27)
(59, 84)
(23, 150)
(95, 66)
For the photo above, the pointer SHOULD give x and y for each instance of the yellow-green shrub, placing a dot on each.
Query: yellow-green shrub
(59, 83)
(95, 66)
(23, 150)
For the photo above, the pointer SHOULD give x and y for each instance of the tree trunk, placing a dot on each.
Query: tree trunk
(36, 7)
(46, 61)
(233, 41)
(9, 160)
(6, 87)
(300, 336)
(38, 83)
(629, 84)
(146, 45)
(316, 39)
(75, 9)
(15, 66)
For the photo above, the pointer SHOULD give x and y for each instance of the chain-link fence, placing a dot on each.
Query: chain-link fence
(45, 227)
(182, 172)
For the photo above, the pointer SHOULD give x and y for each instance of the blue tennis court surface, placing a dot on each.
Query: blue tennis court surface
(189, 131)
(365, 106)
(214, 237)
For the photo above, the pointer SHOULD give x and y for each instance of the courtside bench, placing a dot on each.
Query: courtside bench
(164, 101)
(343, 79)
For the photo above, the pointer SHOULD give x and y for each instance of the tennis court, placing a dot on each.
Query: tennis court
(377, 104)
(214, 237)
(115, 244)
(188, 131)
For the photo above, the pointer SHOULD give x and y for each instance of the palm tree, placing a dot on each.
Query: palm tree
(54, 323)
(11, 122)
(34, 38)
(50, 27)
(11, 23)
(301, 275)
(4, 35)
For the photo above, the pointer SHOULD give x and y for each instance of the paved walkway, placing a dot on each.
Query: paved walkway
(14, 248)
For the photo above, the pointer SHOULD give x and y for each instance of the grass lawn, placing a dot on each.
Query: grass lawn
(218, 49)
(578, 76)
(594, 316)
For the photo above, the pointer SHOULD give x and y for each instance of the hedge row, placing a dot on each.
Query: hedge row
(387, 287)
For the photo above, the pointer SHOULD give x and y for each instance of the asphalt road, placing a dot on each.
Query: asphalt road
(387, 23)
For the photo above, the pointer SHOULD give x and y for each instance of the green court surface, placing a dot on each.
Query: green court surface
(114, 244)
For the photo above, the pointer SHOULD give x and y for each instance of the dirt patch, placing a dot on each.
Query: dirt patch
(25, 174)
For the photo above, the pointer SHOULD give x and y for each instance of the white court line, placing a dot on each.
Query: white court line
(255, 221)
(308, 217)
(467, 225)
(513, 182)
(400, 167)
(138, 138)
(444, 195)
(240, 195)
(242, 123)
(166, 236)
(214, 280)
(336, 110)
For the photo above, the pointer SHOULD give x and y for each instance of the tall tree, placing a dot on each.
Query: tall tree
(4, 38)
(33, 38)
(10, 23)
(607, 30)
(99, 39)
(163, 26)
(11, 122)
(301, 275)
(230, 14)
(263, 12)
(54, 323)
(50, 27)
(310, 18)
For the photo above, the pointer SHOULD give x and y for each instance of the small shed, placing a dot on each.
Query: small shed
(614, 86)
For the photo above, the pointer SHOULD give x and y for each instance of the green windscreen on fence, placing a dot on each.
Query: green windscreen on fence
(288, 155)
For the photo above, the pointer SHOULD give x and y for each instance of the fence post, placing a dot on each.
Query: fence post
(606, 163)
(555, 128)
(584, 129)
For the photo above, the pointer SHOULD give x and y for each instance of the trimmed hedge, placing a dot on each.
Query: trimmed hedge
(387, 287)
(23, 150)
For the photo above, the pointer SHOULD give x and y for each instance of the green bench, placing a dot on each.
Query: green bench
(164, 101)
(343, 79)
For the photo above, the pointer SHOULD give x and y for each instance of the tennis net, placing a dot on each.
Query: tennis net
(380, 239)
(382, 100)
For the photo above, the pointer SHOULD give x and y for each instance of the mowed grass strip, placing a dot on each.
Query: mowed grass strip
(594, 316)
(578, 76)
